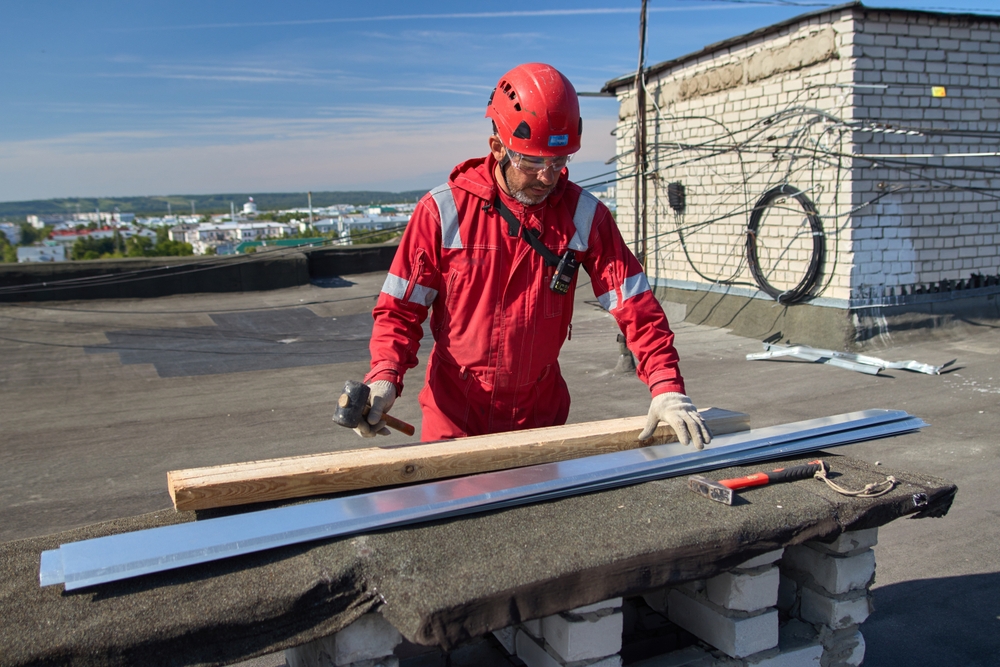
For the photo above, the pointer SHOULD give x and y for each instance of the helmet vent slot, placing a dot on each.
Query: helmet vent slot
(523, 131)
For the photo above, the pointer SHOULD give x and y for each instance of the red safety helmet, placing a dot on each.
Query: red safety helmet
(536, 111)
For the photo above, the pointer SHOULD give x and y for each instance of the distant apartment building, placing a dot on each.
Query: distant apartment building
(100, 217)
(344, 225)
(39, 221)
(66, 237)
(46, 253)
(211, 234)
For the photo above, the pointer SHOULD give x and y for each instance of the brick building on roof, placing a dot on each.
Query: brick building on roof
(831, 178)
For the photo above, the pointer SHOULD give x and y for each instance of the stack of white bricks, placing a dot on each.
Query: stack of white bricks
(828, 586)
(589, 636)
(368, 642)
(820, 590)
(735, 613)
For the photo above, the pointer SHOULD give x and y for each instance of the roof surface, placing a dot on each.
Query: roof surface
(99, 399)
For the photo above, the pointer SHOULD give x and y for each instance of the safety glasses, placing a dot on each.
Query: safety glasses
(532, 165)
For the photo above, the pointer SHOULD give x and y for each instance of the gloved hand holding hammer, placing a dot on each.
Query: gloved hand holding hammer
(381, 398)
(679, 413)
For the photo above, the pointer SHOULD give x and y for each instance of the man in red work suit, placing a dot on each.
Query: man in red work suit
(498, 317)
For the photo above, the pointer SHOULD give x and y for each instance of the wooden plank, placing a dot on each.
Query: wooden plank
(334, 472)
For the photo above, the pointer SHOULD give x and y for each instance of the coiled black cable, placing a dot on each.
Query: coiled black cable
(800, 291)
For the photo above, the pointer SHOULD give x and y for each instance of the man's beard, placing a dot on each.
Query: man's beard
(520, 195)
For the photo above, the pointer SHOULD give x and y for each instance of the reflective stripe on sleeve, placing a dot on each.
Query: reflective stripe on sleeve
(609, 300)
(583, 219)
(633, 286)
(445, 200)
(396, 286)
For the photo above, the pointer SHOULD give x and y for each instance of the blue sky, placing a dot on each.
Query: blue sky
(154, 98)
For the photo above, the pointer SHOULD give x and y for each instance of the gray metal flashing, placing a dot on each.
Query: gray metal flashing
(747, 292)
(884, 301)
(898, 300)
(122, 556)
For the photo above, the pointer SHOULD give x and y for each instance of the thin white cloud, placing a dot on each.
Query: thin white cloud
(454, 15)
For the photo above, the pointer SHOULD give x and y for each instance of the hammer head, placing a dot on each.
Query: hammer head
(351, 404)
(711, 489)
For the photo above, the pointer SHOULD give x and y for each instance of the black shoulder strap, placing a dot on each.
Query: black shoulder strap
(514, 226)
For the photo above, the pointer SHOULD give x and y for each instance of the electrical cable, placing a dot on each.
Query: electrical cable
(808, 281)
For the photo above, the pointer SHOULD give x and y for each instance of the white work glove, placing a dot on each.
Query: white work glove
(679, 413)
(381, 398)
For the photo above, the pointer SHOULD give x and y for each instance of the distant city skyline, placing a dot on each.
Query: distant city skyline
(125, 99)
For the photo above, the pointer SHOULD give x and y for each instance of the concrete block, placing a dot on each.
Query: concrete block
(761, 560)
(575, 640)
(832, 612)
(691, 656)
(506, 638)
(836, 575)
(800, 656)
(734, 636)
(788, 592)
(613, 603)
(532, 653)
(657, 599)
(533, 627)
(319, 653)
(842, 648)
(857, 655)
(368, 638)
(744, 592)
(610, 661)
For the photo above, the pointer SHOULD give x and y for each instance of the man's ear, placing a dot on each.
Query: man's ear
(497, 148)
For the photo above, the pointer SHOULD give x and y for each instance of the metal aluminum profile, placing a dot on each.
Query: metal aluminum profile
(117, 557)
(852, 362)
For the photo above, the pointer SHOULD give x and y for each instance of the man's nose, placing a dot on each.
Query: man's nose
(548, 176)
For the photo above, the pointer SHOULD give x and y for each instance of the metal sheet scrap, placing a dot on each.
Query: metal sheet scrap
(852, 362)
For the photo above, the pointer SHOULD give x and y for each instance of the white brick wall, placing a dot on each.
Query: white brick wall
(887, 224)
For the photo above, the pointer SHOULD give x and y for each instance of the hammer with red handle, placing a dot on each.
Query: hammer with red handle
(722, 491)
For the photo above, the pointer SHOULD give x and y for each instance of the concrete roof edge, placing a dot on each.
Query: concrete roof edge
(626, 80)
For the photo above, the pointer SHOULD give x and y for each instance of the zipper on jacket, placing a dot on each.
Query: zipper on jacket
(414, 274)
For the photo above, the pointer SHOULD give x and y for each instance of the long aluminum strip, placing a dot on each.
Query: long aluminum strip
(117, 557)
(740, 458)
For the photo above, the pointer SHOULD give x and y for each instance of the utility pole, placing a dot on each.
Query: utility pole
(641, 164)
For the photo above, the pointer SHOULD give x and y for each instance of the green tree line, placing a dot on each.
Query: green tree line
(133, 246)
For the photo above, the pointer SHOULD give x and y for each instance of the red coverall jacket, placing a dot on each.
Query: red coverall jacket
(497, 326)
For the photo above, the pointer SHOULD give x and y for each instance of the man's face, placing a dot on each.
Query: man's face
(527, 188)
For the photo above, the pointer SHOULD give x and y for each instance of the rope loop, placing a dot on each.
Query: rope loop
(873, 490)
